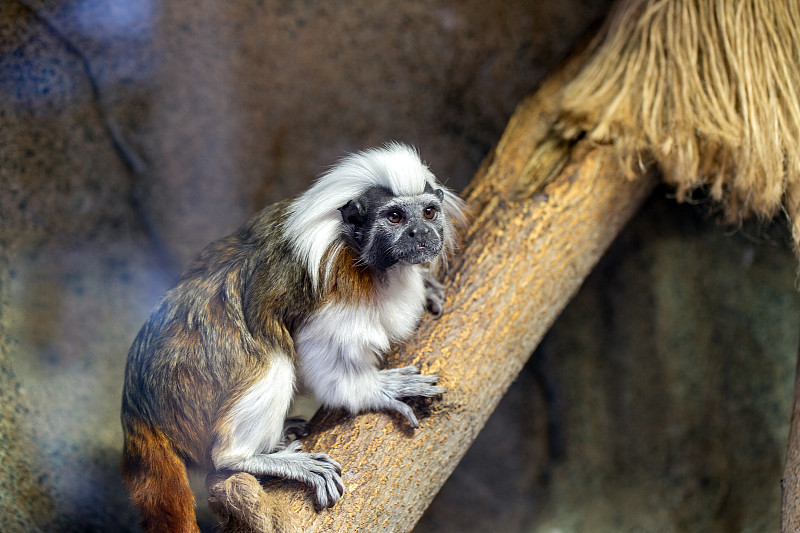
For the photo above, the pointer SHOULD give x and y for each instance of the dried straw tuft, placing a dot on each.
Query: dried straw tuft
(708, 88)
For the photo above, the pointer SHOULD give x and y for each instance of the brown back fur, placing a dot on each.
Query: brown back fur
(200, 350)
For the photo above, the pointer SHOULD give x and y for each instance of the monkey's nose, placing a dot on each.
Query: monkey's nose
(417, 230)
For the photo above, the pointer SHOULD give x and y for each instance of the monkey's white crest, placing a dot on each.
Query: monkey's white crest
(314, 224)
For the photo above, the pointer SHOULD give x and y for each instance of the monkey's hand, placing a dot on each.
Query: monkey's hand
(434, 296)
(407, 382)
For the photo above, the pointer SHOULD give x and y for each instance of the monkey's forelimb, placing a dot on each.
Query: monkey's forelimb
(407, 382)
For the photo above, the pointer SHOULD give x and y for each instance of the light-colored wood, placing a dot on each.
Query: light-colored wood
(527, 250)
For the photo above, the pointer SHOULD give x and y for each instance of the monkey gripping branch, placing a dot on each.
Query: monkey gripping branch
(529, 245)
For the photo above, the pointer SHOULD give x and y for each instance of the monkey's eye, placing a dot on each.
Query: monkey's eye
(429, 212)
(395, 217)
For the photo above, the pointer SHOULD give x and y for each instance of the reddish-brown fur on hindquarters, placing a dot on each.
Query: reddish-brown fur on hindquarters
(156, 478)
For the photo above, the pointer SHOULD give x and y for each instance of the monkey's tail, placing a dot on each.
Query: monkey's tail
(244, 507)
(155, 475)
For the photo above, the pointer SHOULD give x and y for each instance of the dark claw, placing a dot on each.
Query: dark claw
(297, 426)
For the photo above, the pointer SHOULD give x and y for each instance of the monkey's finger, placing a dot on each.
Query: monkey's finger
(334, 486)
(428, 379)
(430, 392)
(405, 410)
(420, 385)
(436, 309)
(294, 446)
(326, 459)
(321, 500)
(328, 491)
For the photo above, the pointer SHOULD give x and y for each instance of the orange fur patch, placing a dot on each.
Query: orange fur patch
(156, 477)
(346, 281)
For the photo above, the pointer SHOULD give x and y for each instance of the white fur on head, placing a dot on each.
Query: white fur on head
(314, 224)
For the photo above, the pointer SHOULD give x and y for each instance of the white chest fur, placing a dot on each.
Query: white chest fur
(341, 344)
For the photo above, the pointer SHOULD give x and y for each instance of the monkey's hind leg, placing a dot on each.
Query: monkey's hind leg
(156, 477)
(317, 470)
(250, 434)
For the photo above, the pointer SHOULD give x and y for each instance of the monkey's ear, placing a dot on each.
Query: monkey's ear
(353, 213)
(438, 192)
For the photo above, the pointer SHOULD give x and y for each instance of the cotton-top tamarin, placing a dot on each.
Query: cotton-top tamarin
(310, 293)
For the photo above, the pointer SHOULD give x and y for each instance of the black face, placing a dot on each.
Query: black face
(385, 229)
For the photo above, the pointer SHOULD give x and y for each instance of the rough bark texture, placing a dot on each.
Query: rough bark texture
(660, 398)
(528, 249)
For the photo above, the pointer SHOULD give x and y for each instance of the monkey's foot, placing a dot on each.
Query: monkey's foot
(321, 473)
(295, 426)
(317, 470)
(407, 382)
(434, 296)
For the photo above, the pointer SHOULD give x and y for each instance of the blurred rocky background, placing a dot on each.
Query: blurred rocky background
(133, 133)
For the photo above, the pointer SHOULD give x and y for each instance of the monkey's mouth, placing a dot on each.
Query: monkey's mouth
(420, 252)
